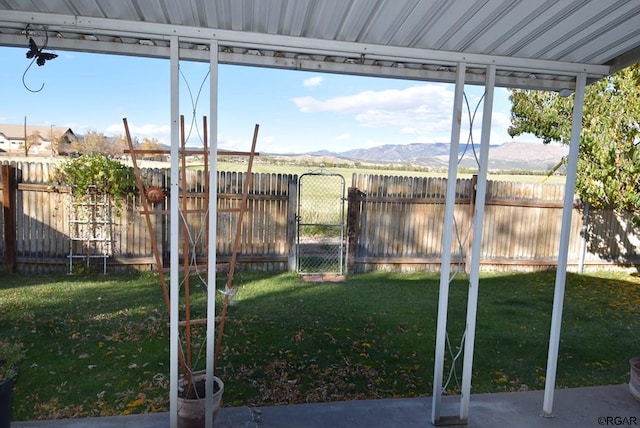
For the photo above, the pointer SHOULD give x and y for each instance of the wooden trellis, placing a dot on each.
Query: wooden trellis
(186, 357)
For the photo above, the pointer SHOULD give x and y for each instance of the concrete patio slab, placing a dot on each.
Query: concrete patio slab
(576, 407)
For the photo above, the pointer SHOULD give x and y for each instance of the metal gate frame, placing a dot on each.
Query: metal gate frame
(303, 222)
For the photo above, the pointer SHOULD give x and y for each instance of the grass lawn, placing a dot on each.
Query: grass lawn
(99, 345)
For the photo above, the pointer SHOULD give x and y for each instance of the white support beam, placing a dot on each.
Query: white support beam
(213, 220)
(447, 240)
(257, 40)
(565, 231)
(289, 63)
(476, 246)
(174, 234)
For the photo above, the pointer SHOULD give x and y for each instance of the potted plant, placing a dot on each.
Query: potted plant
(10, 355)
(191, 399)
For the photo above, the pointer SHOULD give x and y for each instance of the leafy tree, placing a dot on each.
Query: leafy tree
(33, 139)
(119, 145)
(149, 144)
(55, 142)
(609, 160)
(93, 142)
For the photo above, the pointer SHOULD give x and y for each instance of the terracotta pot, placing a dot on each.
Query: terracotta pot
(191, 411)
(155, 194)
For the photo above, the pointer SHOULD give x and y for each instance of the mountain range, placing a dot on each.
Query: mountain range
(507, 156)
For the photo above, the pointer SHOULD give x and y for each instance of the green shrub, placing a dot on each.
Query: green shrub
(96, 173)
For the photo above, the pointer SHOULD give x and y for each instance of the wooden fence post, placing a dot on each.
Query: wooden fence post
(472, 210)
(353, 209)
(8, 205)
(292, 212)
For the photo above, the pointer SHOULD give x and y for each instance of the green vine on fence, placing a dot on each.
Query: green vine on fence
(99, 174)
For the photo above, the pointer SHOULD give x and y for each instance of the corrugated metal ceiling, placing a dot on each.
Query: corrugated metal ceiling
(537, 44)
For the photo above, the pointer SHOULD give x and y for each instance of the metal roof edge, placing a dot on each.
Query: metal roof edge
(145, 30)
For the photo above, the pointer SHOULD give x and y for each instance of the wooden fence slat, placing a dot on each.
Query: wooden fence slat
(9, 216)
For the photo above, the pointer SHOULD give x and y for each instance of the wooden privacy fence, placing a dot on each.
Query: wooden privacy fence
(42, 224)
(396, 223)
(393, 223)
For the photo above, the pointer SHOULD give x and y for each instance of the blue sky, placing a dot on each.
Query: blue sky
(297, 111)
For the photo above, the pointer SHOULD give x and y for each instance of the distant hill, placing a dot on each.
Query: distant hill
(508, 156)
(417, 154)
(525, 156)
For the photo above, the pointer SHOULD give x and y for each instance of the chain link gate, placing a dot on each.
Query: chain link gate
(320, 218)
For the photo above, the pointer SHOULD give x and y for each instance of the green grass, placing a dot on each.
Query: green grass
(93, 345)
(292, 168)
(99, 345)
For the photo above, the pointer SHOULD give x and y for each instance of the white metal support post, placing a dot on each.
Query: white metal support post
(447, 239)
(476, 245)
(174, 233)
(212, 212)
(565, 230)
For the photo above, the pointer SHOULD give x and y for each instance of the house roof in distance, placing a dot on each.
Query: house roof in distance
(16, 132)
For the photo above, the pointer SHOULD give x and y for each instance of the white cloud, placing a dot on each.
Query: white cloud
(421, 110)
(149, 130)
(313, 81)
(81, 129)
(264, 143)
(227, 143)
(426, 97)
(343, 137)
(420, 113)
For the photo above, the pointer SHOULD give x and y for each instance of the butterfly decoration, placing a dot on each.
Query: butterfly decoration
(41, 57)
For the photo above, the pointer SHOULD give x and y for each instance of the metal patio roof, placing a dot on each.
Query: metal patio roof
(534, 44)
